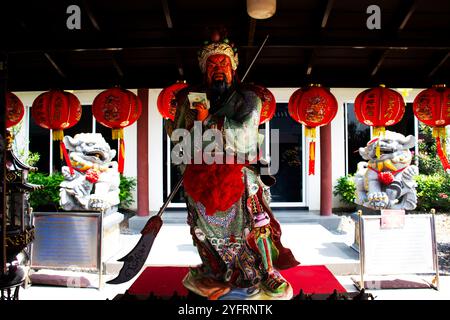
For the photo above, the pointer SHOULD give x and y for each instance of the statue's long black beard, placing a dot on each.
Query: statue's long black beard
(218, 92)
(219, 88)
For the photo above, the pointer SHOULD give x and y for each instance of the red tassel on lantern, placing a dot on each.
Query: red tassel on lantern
(312, 158)
(439, 133)
(121, 155)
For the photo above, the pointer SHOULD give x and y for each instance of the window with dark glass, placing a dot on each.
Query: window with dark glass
(39, 142)
(289, 185)
(174, 172)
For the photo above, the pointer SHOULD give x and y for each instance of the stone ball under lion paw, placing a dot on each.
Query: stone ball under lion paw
(98, 204)
(378, 200)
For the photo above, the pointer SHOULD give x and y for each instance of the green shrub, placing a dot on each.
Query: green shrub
(346, 189)
(433, 184)
(433, 191)
(127, 186)
(48, 197)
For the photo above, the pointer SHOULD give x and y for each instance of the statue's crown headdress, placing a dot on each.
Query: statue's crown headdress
(219, 44)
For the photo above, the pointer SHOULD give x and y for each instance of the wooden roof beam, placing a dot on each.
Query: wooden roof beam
(170, 26)
(96, 26)
(91, 16)
(406, 16)
(309, 62)
(55, 65)
(378, 62)
(167, 14)
(326, 14)
(439, 64)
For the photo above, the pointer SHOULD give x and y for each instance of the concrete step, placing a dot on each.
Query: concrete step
(332, 222)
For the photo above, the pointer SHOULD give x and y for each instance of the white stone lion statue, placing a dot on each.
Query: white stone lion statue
(94, 184)
(387, 181)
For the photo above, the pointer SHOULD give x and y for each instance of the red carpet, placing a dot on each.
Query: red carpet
(164, 281)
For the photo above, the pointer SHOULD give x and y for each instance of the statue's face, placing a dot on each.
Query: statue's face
(218, 68)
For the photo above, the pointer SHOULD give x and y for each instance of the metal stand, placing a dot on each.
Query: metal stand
(5, 292)
(11, 282)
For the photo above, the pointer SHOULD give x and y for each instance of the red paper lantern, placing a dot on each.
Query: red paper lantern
(117, 108)
(57, 110)
(432, 107)
(167, 104)
(269, 105)
(14, 110)
(379, 107)
(313, 106)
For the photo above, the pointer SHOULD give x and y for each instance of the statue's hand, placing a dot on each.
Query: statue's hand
(378, 200)
(202, 112)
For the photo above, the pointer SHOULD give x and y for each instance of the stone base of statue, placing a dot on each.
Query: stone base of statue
(216, 290)
(111, 234)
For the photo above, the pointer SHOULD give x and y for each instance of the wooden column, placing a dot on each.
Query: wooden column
(3, 79)
(142, 156)
(326, 191)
